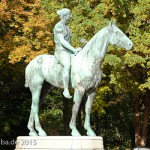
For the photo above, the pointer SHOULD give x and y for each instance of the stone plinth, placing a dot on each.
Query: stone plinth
(141, 148)
(59, 143)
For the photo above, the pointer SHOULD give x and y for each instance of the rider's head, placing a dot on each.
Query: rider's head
(63, 13)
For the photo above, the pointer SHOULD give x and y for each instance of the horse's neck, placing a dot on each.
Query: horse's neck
(95, 50)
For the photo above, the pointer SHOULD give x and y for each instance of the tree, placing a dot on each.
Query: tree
(24, 35)
(140, 59)
(133, 17)
(31, 34)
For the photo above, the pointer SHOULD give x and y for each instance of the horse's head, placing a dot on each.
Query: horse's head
(117, 37)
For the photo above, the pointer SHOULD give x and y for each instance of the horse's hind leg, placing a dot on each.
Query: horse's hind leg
(88, 108)
(77, 101)
(36, 91)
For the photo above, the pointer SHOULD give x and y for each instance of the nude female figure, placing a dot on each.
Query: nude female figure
(63, 49)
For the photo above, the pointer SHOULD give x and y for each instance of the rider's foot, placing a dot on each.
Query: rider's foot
(66, 93)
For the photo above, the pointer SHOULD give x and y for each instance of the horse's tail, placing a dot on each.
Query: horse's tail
(28, 75)
(26, 79)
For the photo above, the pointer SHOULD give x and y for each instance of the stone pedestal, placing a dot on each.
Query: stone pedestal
(59, 143)
(141, 148)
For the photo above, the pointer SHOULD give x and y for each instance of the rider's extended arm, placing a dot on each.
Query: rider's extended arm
(65, 43)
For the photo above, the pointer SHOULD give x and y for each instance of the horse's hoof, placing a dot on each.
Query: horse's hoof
(42, 133)
(33, 133)
(75, 132)
(67, 94)
(91, 133)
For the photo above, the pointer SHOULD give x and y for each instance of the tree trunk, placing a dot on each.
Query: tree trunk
(142, 122)
(137, 103)
(146, 114)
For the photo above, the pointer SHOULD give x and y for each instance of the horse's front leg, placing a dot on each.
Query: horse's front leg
(88, 108)
(77, 101)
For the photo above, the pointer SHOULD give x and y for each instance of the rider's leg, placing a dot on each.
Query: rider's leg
(66, 82)
(66, 62)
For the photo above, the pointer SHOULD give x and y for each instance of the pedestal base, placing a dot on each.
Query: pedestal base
(141, 148)
(59, 143)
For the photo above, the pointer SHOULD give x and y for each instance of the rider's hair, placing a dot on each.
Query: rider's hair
(63, 12)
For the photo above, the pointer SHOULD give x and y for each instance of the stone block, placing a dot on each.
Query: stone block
(59, 143)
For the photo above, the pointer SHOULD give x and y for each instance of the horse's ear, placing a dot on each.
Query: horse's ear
(110, 27)
(112, 22)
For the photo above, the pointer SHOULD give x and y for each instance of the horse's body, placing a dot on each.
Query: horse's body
(85, 76)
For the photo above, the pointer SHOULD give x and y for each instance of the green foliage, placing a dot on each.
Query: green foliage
(52, 115)
(24, 30)
(99, 104)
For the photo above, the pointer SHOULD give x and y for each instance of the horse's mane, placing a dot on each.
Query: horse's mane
(93, 43)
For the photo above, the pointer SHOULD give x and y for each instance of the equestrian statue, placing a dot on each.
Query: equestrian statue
(70, 67)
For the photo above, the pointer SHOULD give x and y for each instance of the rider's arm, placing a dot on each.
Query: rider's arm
(63, 41)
